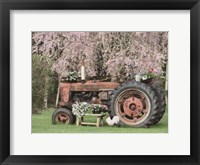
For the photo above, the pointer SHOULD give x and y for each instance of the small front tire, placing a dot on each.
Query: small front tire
(63, 116)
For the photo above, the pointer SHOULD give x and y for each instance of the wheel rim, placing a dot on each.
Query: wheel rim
(62, 118)
(132, 106)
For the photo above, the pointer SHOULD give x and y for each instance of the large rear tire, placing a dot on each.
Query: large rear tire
(136, 104)
(160, 93)
(63, 116)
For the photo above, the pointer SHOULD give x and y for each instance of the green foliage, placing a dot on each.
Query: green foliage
(70, 76)
(148, 76)
(41, 78)
(73, 76)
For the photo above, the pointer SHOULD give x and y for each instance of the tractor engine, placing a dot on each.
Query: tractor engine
(94, 92)
(90, 97)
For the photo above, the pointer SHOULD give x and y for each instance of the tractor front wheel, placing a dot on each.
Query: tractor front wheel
(63, 116)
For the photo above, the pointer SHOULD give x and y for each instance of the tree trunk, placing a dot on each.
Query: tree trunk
(46, 93)
(58, 91)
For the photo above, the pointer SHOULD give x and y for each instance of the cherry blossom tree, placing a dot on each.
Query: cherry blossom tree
(131, 52)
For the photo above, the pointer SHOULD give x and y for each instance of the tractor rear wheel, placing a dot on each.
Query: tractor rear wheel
(136, 104)
(63, 116)
(160, 93)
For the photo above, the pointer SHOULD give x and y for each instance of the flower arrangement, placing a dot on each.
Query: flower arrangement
(70, 76)
(145, 76)
(79, 109)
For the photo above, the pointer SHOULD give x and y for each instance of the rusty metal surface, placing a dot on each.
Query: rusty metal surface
(62, 118)
(133, 106)
(103, 95)
(64, 93)
(93, 86)
(88, 86)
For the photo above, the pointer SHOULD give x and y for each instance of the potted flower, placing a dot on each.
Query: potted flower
(70, 77)
(79, 109)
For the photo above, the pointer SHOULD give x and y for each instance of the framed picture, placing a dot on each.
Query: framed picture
(99, 56)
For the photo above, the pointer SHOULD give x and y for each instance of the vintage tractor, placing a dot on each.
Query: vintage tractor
(138, 104)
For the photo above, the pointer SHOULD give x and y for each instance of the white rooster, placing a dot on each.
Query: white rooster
(112, 120)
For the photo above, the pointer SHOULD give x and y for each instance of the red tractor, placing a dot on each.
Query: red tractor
(138, 104)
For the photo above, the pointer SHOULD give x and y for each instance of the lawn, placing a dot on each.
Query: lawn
(41, 123)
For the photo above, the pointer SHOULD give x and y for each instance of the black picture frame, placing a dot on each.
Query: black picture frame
(7, 5)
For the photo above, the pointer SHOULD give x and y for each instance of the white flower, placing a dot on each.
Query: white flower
(144, 77)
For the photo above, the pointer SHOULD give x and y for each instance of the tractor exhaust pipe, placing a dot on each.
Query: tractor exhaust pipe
(82, 68)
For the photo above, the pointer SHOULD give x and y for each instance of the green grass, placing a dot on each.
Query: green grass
(41, 123)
